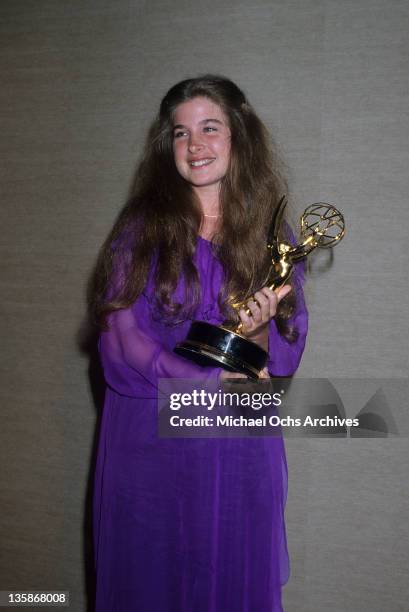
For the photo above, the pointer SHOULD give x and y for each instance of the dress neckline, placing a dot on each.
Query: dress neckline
(204, 239)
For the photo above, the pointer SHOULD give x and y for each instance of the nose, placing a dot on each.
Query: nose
(195, 144)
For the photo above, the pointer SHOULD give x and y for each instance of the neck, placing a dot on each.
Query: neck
(209, 200)
(209, 226)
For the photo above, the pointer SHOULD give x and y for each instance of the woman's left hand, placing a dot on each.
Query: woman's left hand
(256, 324)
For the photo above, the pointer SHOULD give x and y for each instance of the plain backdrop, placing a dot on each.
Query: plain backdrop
(80, 83)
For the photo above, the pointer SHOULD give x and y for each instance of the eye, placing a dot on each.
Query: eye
(209, 128)
(179, 134)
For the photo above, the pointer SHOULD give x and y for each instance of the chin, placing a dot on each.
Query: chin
(204, 182)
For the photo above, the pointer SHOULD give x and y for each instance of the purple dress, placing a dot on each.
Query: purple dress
(185, 525)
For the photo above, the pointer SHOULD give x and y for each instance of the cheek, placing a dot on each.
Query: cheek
(178, 152)
(224, 148)
(226, 153)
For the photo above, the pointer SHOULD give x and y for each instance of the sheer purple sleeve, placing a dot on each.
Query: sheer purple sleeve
(133, 355)
(133, 360)
(284, 356)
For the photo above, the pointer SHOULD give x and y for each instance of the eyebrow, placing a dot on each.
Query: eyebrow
(202, 122)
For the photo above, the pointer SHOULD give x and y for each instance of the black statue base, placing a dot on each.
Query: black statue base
(210, 345)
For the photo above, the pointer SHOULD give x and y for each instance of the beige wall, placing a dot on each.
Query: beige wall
(79, 83)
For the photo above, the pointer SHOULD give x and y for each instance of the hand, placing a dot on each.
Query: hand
(255, 324)
(264, 374)
(225, 375)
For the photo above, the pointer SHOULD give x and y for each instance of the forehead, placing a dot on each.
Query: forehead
(197, 110)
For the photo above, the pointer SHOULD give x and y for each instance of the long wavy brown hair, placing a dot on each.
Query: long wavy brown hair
(160, 222)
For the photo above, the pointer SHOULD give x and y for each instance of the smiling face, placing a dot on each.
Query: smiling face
(201, 144)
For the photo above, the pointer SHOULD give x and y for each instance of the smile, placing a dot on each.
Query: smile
(201, 162)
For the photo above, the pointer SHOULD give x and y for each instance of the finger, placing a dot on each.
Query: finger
(283, 291)
(272, 300)
(264, 304)
(255, 311)
(247, 321)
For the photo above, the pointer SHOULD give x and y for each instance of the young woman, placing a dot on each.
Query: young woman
(183, 525)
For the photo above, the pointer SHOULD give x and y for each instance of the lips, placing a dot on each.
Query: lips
(199, 163)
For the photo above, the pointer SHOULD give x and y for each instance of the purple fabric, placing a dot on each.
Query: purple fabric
(183, 525)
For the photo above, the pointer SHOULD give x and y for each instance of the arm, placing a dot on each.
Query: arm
(260, 326)
(133, 360)
(284, 357)
(133, 357)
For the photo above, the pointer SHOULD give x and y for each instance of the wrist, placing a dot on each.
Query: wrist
(261, 338)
